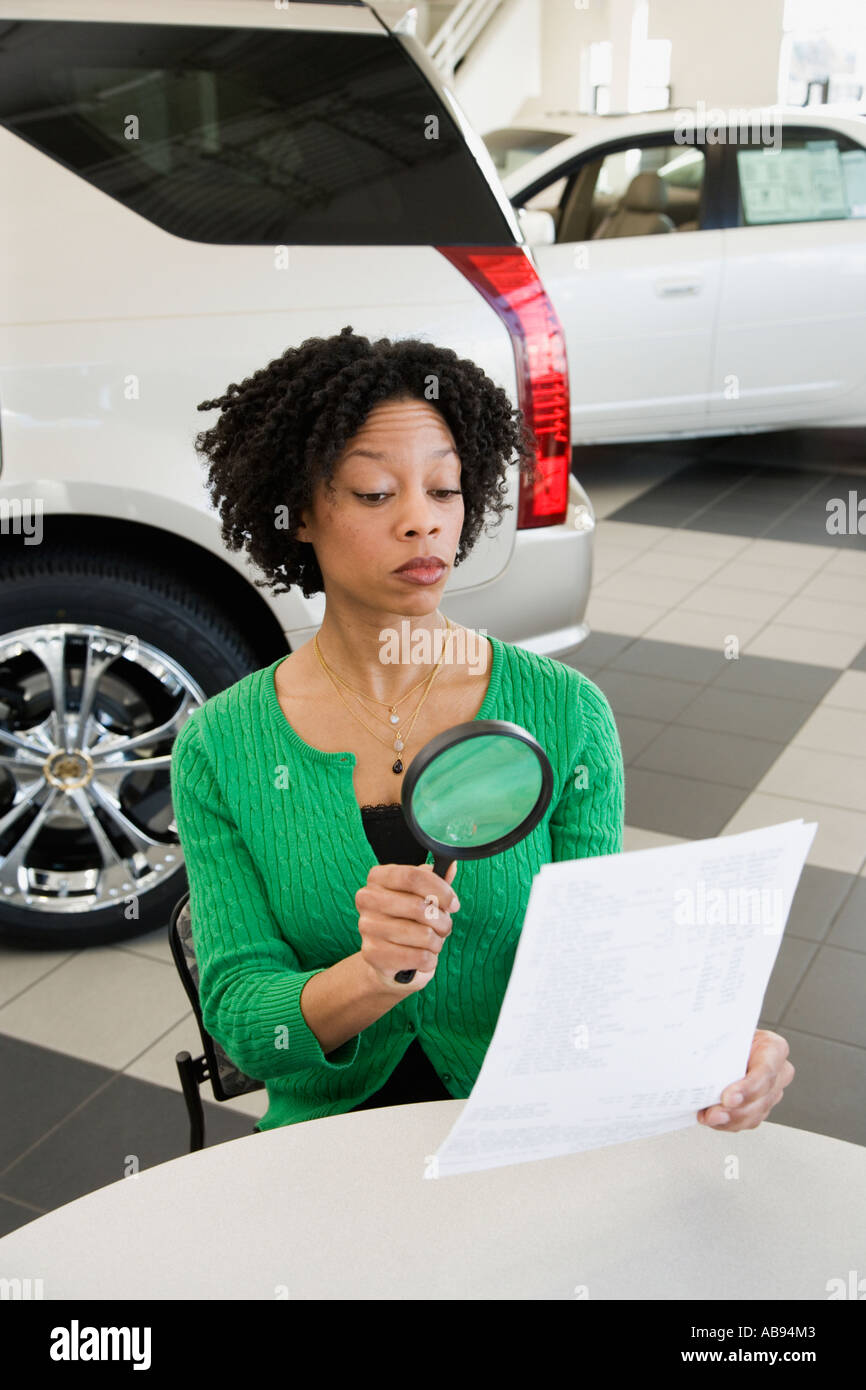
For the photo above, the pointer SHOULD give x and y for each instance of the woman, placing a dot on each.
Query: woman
(336, 466)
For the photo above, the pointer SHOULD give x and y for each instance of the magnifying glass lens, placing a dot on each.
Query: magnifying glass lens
(478, 791)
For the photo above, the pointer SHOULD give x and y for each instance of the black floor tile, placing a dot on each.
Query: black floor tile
(792, 962)
(635, 735)
(38, 1089)
(744, 712)
(765, 675)
(849, 926)
(645, 697)
(757, 502)
(600, 648)
(673, 660)
(14, 1214)
(723, 759)
(819, 896)
(129, 1122)
(679, 806)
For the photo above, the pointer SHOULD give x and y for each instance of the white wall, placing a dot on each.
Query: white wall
(533, 55)
(723, 54)
(503, 67)
(566, 35)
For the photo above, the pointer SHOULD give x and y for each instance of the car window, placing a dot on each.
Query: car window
(668, 199)
(256, 136)
(549, 198)
(510, 148)
(806, 179)
(604, 197)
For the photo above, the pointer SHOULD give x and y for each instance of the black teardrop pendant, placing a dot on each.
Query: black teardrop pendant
(398, 766)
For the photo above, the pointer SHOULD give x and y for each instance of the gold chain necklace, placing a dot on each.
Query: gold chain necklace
(400, 740)
(392, 708)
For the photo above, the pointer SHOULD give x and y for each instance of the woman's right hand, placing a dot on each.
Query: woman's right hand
(404, 917)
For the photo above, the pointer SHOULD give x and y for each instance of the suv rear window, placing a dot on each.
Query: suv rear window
(249, 136)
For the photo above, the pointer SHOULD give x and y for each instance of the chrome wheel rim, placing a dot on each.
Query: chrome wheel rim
(87, 719)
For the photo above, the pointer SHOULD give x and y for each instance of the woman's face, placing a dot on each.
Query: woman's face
(396, 496)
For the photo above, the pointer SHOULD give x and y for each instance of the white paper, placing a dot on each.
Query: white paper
(633, 999)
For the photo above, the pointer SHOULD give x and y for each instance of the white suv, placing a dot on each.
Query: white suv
(188, 190)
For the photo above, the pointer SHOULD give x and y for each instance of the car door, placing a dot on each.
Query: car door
(792, 308)
(637, 293)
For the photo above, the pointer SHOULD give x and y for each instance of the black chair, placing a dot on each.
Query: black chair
(227, 1080)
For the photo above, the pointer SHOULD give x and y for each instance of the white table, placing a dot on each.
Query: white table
(338, 1209)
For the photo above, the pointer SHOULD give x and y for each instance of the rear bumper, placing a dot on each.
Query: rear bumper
(540, 598)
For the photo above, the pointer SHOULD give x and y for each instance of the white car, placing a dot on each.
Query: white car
(706, 288)
(189, 189)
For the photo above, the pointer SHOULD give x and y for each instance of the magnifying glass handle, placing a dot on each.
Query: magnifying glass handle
(440, 869)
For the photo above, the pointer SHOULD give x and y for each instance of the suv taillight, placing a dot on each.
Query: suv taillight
(509, 282)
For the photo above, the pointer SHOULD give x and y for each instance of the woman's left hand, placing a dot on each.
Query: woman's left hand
(767, 1075)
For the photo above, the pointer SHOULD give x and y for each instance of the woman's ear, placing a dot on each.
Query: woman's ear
(300, 527)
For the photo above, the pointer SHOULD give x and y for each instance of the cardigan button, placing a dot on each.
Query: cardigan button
(446, 1076)
(410, 1028)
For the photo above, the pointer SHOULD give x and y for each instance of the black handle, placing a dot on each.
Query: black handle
(440, 868)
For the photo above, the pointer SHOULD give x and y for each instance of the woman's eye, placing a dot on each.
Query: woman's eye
(374, 497)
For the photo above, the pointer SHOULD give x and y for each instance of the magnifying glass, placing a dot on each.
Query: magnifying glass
(473, 791)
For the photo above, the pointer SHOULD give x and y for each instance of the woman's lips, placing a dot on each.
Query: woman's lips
(429, 574)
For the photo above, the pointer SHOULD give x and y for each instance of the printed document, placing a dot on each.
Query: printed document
(633, 1000)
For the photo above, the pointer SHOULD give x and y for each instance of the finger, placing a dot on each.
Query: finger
(417, 879)
(424, 945)
(748, 1117)
(426, 911)
(744, 1116)
(766, 1059)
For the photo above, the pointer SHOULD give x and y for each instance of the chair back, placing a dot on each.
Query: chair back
(226, 1079)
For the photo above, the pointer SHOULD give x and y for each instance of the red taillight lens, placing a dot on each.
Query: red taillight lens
(509, 282)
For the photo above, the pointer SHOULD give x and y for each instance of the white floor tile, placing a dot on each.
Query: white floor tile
(698, 568)
(849, 692)
(837, 588)
(840, 840)
(19, 969)
(834, 731)
(851, 562)
(732, 602)
(681, 541)
(832, 779)
(762, 579)
(633, 537)
(702, 630)
(800, 555)
(153, 945)
(628, 619)
(650, 588)
(102, 1005)
(825, 616)
(805, 644)
(610, 559)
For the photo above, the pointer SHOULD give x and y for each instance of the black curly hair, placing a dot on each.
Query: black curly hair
(282, 429)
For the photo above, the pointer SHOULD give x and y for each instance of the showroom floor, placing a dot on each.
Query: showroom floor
(696, 545)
